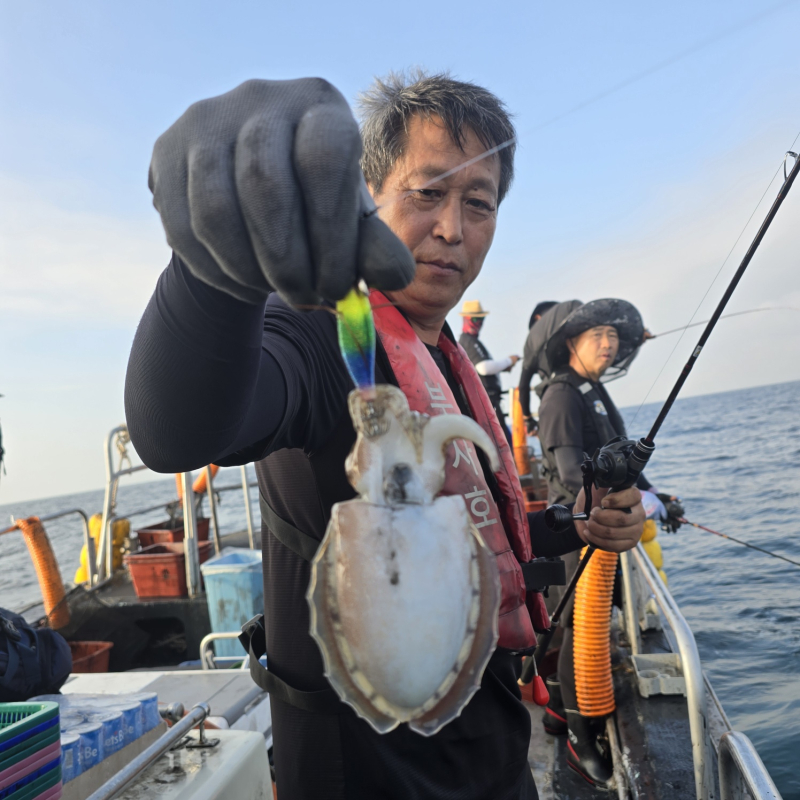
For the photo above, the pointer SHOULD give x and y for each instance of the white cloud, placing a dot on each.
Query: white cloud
(87, 268)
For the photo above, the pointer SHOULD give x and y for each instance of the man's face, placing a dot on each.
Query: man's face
(449, 225)
(594, 350)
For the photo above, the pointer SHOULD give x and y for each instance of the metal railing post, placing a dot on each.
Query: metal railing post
(248, 510)
(631, 604)
(104, 556)
(190, 548)
(692, 673)
(742, 774)
(212, 506)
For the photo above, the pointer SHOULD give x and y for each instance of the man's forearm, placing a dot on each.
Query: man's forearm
(493, 366)
(195, 370)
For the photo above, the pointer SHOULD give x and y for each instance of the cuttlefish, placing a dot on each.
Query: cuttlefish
(404, 593)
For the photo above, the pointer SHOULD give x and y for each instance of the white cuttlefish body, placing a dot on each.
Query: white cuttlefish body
(404, 593)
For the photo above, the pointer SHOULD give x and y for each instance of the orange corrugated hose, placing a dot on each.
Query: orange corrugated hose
(47, 572)
(591, 630)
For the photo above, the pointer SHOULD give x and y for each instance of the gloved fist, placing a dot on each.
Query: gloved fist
(675, 512)
(261, 189)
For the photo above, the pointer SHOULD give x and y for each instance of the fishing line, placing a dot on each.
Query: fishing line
(725, 316)
(602, 95)
(739, 541)
(713, 281)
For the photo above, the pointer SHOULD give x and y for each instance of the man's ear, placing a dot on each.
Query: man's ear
(571, 345)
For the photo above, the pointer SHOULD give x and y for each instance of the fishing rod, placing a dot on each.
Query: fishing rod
(724, 316)
(738, 541)
(618, 464)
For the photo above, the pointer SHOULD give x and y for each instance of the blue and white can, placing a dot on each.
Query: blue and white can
(132, 720)
(70, 756)
(150, 715)
(113, 730)
(91, 745)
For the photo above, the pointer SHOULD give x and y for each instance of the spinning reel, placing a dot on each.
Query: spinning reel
(616, 465)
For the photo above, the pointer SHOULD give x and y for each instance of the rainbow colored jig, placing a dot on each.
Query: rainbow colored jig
(356, 331)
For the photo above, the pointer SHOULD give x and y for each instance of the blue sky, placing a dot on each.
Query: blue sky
(639, 195)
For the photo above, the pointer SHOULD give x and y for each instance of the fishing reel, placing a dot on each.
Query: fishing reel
(616, 465)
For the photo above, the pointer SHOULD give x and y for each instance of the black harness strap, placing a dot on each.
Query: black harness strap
(254, 639)
(298, 542)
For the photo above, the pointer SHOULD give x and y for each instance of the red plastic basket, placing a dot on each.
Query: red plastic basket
(90, 656)
(160, 570)
(162, 533)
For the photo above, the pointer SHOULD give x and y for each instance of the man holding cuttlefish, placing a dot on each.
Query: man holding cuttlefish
(261, 189)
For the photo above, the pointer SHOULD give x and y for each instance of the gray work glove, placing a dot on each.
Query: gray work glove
(261, 189)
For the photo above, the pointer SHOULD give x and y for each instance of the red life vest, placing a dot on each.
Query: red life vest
(503, 525)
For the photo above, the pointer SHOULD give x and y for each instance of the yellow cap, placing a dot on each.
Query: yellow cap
(473, 308)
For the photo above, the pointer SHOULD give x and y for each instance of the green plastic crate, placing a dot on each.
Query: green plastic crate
(18, 718)
(37, 787)
(28, 747)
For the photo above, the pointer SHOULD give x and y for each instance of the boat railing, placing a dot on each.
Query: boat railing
(742, 774)
(87, 539)
(210, 661)
(117, 442)
(174, 736)
(690, 661)
(740, 768)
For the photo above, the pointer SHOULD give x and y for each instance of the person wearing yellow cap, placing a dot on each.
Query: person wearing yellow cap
(489, 369)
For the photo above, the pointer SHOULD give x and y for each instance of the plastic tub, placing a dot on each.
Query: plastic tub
(163, 532)
(90, 656)
(234, 593)
(160, 569)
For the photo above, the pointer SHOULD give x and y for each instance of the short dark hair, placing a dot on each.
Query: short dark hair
(388, 106)
(545, 305)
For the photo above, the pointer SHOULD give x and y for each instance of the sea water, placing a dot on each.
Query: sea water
(733, 458)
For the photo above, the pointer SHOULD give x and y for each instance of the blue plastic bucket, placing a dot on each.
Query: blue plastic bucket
(234, 593)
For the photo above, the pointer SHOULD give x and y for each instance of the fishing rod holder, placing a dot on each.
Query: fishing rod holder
(617, 465)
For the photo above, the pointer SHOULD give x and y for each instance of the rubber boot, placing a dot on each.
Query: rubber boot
(587, 750)
(554, 719)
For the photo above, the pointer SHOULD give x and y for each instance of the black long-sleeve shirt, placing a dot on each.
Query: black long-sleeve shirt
(215, 380)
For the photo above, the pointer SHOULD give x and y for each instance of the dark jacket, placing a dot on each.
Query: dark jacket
(533, 357)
